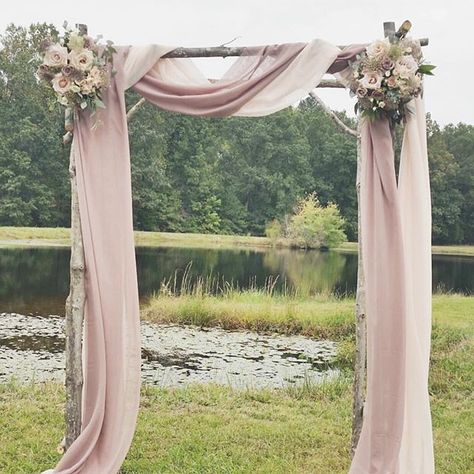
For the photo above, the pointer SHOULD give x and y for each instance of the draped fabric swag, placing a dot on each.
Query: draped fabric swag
(396, 229)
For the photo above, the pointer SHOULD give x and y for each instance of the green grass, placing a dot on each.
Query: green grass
(199, 429)
(318, 316)
(315, 317)
(40, 236)
(211, 429)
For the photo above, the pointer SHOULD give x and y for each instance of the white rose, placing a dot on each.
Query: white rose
(61, 84)
(82, 59)
(378, 48)
(371, 80)
(55, 56)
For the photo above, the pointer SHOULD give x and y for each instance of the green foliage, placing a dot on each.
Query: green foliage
(192, 174)
(315, 226)
(446, 198)
(34, 183)
(273, 230)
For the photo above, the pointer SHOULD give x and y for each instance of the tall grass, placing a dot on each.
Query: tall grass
(189, 284)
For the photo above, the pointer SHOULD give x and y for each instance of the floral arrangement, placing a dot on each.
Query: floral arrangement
(77, 69)
(386, 76)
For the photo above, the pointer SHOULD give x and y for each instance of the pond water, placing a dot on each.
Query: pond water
(35, 281)
(32, 349)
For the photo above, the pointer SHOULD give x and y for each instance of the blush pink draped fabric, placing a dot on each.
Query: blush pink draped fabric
(397, 422)
(396, 235)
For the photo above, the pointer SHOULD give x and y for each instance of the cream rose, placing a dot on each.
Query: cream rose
(415, 82)
(82, 59)
(405, 67)
(378, 49)
(371, 80)
(87, 86)
(61, 84)
(97, 77)
(55, 56)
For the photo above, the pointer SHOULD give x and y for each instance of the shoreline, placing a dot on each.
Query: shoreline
(38, 237)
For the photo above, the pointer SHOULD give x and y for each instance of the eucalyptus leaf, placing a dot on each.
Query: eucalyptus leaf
(426, 69)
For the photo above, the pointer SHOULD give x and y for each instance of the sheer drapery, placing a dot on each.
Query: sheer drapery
(264, 81)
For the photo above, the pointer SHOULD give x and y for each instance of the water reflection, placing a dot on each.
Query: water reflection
(35, 281)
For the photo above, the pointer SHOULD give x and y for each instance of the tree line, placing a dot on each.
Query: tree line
(192, 174)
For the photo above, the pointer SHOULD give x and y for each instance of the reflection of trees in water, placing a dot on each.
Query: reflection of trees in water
(307, 272)
(41, 271)
(36, 280)
(33, 279)
(452, 273)
(170, 264)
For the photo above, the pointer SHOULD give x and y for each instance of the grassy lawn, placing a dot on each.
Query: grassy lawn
(211, 429)
(41, 236)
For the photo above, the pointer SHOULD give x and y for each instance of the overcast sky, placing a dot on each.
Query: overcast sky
(448, 24)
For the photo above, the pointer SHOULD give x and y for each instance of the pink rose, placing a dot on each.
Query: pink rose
(61, 83)
(361, 92)
(387, 64)
(391, 82)
(67, 70)
(371, 80)
(405, 67)
(55, 56)
(82, 60)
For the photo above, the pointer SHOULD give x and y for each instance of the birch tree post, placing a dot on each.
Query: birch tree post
(358, 387)
(74, 305)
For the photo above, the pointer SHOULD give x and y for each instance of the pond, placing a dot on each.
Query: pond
(35, 280)
(32, 349)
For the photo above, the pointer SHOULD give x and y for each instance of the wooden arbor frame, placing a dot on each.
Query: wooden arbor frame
(76, 299)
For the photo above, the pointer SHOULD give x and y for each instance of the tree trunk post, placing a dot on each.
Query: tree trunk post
(74, 305)
(358, 388)
(74, 319)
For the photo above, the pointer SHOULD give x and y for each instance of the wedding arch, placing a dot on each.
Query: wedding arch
(391, 415)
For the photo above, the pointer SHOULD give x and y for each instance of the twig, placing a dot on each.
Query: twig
(231, 41)
(133, 110)
(333, 116)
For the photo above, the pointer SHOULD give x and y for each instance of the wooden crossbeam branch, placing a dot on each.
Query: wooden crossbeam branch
(225, 51)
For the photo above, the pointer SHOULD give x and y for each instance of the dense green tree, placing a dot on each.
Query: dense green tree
(333, 163)
(34, 184)
(156, 202)
(460, 143)
(266, 164)
(446, 197)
